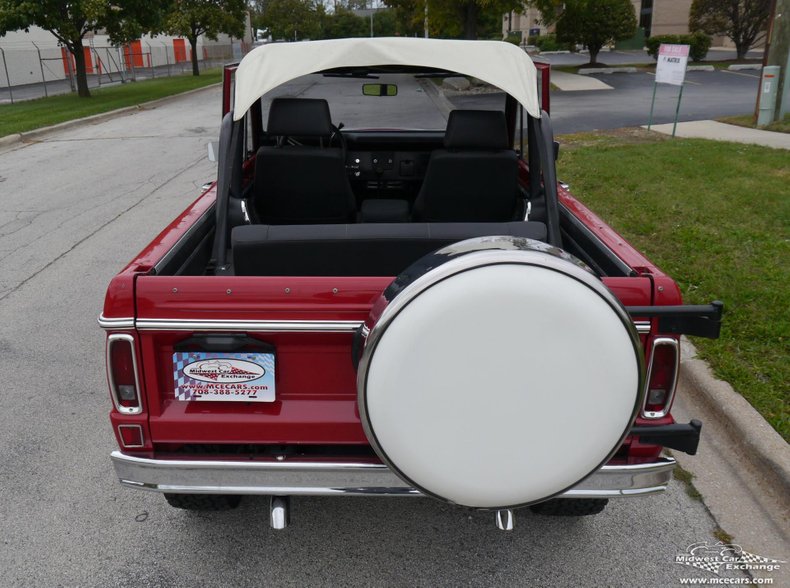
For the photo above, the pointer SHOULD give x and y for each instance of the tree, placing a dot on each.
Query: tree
(743, 21)
(385, 23)
(343, 23)
(291, 19)
(456, 18)
(70, 20)
(409, 16)
(593, 23)
(192, 18)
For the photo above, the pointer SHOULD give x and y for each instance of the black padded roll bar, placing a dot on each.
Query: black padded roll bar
(544, 141)
(230, 136)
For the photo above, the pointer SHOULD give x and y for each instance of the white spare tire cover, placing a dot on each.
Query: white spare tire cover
(498, 372)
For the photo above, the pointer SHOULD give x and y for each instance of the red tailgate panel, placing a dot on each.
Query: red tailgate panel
(315, 379)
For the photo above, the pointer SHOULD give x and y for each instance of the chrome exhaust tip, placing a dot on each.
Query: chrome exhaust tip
(505, 519)
(280, 512)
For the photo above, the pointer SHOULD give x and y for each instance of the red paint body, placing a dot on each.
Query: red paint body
(316, 387)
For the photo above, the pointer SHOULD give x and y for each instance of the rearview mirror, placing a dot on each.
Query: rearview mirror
(379, 89)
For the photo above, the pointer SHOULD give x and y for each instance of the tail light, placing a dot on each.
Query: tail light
(662, 377)
(122, 374)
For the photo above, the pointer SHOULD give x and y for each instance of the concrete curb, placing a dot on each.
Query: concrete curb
(436, 94)
(10, 139)
(744, 66)
(606, 70)
(96, 118)
(746, 427)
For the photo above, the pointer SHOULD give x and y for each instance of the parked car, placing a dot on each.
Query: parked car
(376, 308)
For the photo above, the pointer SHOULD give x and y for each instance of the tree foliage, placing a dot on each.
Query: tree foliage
(290, 20)
(192, 18)
(344, 23)
(409, 16)
(468, 19)
(593, 23)
(70, 20)
(743, 21)
(293, 20)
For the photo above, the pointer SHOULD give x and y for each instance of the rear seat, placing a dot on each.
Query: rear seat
(376, 249)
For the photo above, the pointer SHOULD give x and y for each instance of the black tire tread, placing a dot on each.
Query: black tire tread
(570, 507)
(203, 502)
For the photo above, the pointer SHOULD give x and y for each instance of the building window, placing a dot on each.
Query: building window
(646, 16)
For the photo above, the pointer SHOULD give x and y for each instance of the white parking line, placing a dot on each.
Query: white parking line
(739, 73)
(650, 73)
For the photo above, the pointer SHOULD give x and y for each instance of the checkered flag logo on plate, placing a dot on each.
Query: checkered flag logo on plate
(179, 363)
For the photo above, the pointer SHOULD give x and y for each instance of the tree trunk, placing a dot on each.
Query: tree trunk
(470, 20)
(741, 49)
(594, 51)
(77, 51)
(193, 44)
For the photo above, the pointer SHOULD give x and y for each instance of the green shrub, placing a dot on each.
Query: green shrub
(550, 43)
(514, 37)
(698, 42)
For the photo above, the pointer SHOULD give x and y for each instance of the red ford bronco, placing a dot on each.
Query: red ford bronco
(403, 304)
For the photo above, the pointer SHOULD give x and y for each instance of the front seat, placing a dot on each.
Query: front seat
(475, 177)
(301, 184)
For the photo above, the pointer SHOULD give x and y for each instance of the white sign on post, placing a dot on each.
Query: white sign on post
(671, 67)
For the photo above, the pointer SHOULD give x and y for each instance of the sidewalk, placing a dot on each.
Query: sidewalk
(711, 129)
(568, 82)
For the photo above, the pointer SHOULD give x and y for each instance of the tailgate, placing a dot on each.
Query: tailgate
(305, 325)
(308, 324)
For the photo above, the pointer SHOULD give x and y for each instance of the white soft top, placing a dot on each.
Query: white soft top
(498, 63)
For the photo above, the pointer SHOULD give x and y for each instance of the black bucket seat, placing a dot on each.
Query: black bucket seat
(475, 177)
(297, 183)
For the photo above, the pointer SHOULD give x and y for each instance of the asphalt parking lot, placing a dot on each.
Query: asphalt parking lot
(706, 95)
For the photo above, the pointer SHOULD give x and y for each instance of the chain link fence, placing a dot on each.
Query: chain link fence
(29, 70)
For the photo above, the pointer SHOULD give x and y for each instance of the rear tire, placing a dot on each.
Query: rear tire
(203, 502)
(570, 507)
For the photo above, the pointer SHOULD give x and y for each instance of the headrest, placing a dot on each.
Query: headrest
(299, 117)
(476, 129)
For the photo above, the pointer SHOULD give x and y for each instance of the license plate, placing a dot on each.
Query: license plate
(226, 377)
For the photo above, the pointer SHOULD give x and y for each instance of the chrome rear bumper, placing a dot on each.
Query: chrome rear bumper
(301, 478)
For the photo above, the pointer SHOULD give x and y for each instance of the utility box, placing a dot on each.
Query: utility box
(769, 86)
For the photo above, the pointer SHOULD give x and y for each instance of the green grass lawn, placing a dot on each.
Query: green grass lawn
(33, 114)
(715, 217)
